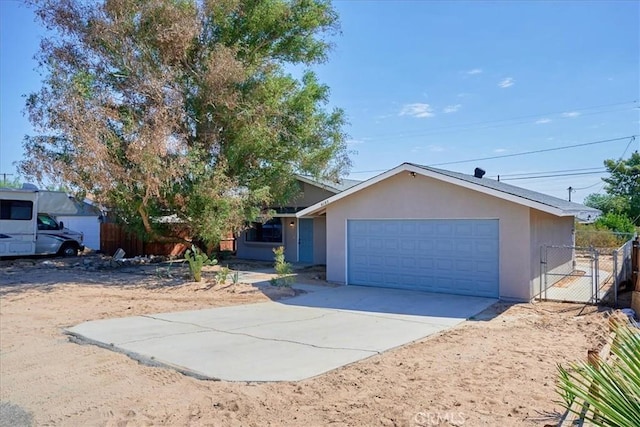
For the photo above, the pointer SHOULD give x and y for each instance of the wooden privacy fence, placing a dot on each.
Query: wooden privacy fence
(113, 237)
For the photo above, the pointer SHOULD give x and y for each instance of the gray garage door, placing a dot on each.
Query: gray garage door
(448, 256)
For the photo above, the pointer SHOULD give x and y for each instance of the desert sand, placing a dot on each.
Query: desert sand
(498, 369)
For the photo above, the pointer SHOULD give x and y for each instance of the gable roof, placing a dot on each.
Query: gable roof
(522, 196)
(331, 186)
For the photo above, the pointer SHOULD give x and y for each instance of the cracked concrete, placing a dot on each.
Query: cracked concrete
(282, 341)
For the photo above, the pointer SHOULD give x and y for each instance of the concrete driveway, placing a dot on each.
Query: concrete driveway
(287, 340)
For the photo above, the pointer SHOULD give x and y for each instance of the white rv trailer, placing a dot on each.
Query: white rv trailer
(25, 231)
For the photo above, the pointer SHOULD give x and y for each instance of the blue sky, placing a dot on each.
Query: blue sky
(437, 82)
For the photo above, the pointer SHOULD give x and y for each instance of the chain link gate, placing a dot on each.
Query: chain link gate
(570, 274)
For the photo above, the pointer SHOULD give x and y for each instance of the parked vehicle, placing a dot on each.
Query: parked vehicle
(26, 231)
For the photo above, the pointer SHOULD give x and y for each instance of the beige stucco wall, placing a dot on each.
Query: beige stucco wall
(320, 240)
(548, 229)
(404, 196)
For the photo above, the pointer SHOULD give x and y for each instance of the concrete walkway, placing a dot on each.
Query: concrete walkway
(288, 340)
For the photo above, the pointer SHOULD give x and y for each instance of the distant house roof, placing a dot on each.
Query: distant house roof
(533, 199)
(84, 208)
(332, 186)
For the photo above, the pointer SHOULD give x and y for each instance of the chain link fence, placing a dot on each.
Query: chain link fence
(586, 274)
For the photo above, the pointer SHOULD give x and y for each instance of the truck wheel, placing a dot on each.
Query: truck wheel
(68, 250)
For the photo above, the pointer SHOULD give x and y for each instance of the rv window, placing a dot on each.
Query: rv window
(16, 209)
(45, 222)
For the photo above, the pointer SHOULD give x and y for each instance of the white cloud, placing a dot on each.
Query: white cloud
(451, 108)
(474, 71)
(436, 148)
(571, 114)
(418, 110)
(543, 121)
(500, 150)
(507, 82)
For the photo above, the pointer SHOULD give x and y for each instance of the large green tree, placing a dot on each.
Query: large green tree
(622, 188)
(184, 107)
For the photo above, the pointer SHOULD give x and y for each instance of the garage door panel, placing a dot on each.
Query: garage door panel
(443, 245)
(444, 229)
(444, 264)
(450, 256)
(392, 261)
(408, 228)
(485, 230)
(409, 262)
(425, 245)
(392, 244)
(408, 245)
(464, 265)
(464, 229)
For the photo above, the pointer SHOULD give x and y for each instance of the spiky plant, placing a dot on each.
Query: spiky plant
(197, 259)
(611, 390)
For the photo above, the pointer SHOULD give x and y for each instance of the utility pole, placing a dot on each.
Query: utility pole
(4, 177)
(571, 190)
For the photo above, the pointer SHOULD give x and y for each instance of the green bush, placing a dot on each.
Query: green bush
(197, 259)
(598, 236)
(283, 269)
(616, 222)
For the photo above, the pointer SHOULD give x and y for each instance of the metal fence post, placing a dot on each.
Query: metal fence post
(616, 277)
(541, 273)
(596, 274)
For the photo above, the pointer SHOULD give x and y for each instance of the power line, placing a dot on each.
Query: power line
(633, 138)
(544, 150)
(594, 169)
(564, 147)
(554, 176)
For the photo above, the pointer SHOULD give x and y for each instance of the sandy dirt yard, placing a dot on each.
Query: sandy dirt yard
(498, 369)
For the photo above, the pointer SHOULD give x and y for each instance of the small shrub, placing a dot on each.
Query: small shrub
(222, 275)
(235, 279)
(283, 269)
(197, 259)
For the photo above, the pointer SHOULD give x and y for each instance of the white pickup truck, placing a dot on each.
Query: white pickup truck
(24, 230)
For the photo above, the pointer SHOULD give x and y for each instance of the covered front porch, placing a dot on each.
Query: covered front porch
(304, 239)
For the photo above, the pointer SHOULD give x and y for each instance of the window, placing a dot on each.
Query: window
(45, 222)
(16, 209)
(269, 232)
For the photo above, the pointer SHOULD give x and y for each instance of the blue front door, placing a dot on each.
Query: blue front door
(305, 240)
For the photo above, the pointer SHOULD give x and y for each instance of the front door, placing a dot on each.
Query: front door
(305, 240)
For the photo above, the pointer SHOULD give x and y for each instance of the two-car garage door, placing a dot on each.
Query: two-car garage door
(437, 255)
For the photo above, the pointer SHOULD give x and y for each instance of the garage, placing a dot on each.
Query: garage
(456, 256)
(421, 228)
(89, 226)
